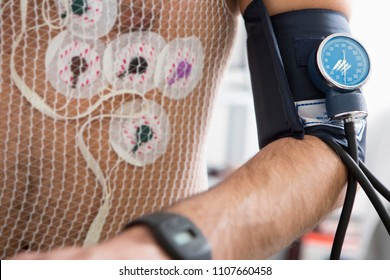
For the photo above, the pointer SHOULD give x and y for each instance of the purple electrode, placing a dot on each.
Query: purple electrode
(183, 70)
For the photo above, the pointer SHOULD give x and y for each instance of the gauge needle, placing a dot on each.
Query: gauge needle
(345, 67)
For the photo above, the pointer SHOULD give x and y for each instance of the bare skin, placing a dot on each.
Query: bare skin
(48, 196)
(262, 224)
(269, 201)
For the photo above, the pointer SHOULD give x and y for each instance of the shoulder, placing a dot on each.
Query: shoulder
(232, 6)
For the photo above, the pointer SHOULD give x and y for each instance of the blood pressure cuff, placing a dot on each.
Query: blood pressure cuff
(287, 104)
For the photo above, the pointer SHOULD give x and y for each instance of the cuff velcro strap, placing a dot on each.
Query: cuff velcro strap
(276, 115)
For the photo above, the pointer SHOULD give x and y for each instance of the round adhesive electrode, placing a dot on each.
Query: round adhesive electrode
(180, 67)
(130, 61)
(142, 135)
(88, 19)
(74, 66)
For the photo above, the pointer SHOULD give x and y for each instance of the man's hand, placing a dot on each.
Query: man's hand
(135, 243)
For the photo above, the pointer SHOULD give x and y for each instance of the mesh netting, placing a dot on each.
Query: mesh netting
(104, 107)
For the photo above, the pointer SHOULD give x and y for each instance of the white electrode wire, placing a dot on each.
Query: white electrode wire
(38, 103)
(67, 103)
(6, 5)
(35, 99)
(29, 94)
(96, 227)
(47, 18)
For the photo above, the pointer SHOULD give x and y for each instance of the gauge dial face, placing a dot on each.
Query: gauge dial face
(343, 62)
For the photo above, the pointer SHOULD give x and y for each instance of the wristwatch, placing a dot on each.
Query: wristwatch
(179, 237)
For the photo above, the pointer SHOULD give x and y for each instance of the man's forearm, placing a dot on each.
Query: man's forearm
(284, 190)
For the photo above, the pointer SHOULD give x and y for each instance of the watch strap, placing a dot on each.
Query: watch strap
(179, 237)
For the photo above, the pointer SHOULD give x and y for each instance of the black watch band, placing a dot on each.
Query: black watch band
(180, 238)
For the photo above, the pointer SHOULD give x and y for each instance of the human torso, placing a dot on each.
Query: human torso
(51, 187)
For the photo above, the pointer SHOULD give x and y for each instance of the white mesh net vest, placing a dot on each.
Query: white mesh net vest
(104, 110)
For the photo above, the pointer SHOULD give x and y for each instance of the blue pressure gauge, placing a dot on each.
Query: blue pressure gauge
(343, 62)
(339, 68)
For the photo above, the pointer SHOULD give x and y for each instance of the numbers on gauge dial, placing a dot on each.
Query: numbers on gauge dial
(344, 62)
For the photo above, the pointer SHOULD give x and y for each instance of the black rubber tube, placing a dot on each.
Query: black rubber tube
(364, 182)
(346, 212)
(385, 192)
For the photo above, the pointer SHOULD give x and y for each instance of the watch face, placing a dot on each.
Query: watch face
(343, 62)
